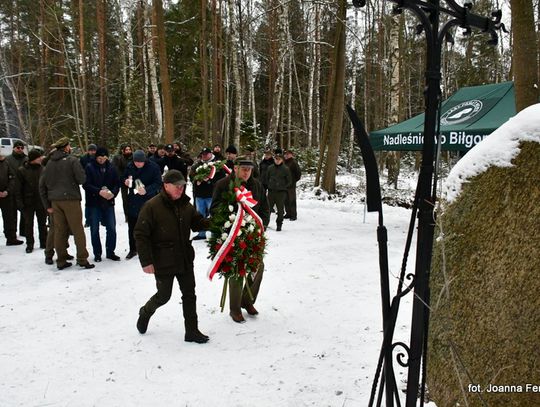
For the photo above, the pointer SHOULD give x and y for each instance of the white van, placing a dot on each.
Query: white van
(6, 145)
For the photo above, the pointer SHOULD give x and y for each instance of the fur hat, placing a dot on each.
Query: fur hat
(33, 154)
(231, 150)
(102, 152)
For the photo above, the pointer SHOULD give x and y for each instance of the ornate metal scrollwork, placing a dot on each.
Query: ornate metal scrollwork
(401, 355)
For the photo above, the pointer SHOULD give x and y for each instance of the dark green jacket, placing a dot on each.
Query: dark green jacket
(16, 160)
(7, 177)
(294, 168)
(27, 186)
(61, 179)
(252, 185)
(278, 177)
(162, 234)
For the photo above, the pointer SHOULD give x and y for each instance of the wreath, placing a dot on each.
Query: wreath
(207, 171)
(237, 240)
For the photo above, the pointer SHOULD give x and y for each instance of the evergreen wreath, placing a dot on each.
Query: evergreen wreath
(242, 256)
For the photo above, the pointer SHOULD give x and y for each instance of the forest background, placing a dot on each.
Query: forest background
(264, 73)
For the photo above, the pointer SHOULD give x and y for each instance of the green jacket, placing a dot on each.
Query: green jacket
(294, 168)
(27, 186)
(162, 234)
(61, 179)
(278, 178)
(253, 185)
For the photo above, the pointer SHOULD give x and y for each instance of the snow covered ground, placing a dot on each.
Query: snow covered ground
(69, 337)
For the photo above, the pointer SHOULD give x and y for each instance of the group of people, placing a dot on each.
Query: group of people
(159, 215)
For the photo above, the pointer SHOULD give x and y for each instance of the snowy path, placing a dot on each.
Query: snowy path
(69, 337)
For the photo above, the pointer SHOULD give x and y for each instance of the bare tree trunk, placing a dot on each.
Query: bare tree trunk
(355, 53)
(311, 81)
(152, 72)
(283, 21)
(217, 75)
(524, 54)
(392, 159)
(249, 70)
(4, 110)
(289, 101)
(142, 57)
(204, 73)
(82, 73)
(14, 95)
(227, 105)
(317, 67)
(234, 47)
(168, 114)
(101, 6)
(335, 104)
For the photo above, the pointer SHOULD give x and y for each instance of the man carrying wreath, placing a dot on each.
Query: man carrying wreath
(240, 296)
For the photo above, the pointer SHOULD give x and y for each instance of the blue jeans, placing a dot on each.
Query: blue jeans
(106, 217)
(203, 207)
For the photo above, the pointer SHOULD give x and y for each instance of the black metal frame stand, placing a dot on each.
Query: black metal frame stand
(428, 12)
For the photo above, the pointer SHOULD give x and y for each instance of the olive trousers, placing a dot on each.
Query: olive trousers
(238, 293)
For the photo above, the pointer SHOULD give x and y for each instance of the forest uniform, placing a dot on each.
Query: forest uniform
(278, 179)
(7, 206)
(60, 191)
(29, 202)
(16, 159)
(296, 174)
(162, 234)
(239, 298)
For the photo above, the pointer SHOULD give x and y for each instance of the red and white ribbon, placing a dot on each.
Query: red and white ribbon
(246, 202)
(212, 171)
(245, 198)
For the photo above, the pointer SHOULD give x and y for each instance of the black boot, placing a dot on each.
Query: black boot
(142, 322)
(196, 336)
(278, 228)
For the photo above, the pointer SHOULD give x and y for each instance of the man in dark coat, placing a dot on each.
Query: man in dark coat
(267, 161)
(61, 195)
(162, 235)
(120, 162)
(278, 179)
(296, 174)
(102, 186)
(203, 190)
(172, 162)
(239, 296)
(89, 156)
(85, 160)
(29, 201)
(15, 160)
(142, 179)
(7, 204)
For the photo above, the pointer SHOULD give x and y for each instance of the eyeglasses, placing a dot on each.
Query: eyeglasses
(19, 147)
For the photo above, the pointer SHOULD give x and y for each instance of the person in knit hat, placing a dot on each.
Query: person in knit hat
(142, 180)
(101, 187)
(16, 159)
(28, 199)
